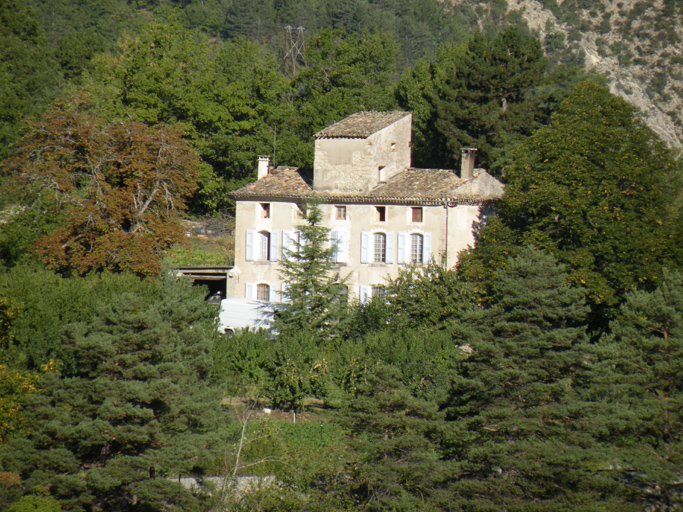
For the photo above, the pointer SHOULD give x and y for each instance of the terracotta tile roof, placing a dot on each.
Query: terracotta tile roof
(419, 184)
(360, 125)
(413, 186)
(286, 182)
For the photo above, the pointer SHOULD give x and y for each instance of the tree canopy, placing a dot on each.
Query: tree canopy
(597, 190)
(128, 406)
(121, 187)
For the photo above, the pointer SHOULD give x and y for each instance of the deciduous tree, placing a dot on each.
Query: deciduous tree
(597, 190)
(121, 185)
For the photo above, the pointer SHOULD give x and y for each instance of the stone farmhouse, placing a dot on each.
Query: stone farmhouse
(382, 213)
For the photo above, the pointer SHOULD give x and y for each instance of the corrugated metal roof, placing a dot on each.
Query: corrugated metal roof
(360, 125)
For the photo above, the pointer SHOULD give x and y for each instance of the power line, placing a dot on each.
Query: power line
(294, 48)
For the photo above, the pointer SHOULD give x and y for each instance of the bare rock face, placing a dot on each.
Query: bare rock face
(637, 45)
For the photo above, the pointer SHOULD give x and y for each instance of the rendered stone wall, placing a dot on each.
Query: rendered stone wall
(285, 217)
(353, 165)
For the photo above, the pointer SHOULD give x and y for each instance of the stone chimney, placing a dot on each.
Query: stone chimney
(467, 163)
(263, 166)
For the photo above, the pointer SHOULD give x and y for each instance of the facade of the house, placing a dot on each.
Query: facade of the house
(382, 213)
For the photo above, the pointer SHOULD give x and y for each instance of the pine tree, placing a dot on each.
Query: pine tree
(491, 99)
(638, 382)
(517, 420)
(394, 435)
(132, 413)
(313, 298)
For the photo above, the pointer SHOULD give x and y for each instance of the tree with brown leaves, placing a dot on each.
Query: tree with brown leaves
(119, 185)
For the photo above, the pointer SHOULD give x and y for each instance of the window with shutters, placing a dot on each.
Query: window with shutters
(263, 292)
(263, 246)
(380, 248)
(416, 248)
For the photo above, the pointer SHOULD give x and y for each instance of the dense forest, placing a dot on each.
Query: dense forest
(544, 372)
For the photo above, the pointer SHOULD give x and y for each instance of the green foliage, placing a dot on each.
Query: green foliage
(23, 227)
(46, 303)
(15, 388)
(595, 189)
(314, 299)
(229, 98)
(638, 380)
(297, 368)
(240, 362)
(491, 100)
(428, 296)
(35, 504)
(131, 410)
(306, 457)
(28, 74)
(517, 422)
(395, 439)
(345, 74)
(490, 94)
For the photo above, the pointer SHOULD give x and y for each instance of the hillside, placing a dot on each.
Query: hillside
(636, 45)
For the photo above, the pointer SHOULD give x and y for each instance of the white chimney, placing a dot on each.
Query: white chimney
(467, 163)
(263, 166)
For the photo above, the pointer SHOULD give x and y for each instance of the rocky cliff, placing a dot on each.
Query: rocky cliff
(636, 45)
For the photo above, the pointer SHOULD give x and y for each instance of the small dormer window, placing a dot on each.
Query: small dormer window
(381, 213)
(265, 210)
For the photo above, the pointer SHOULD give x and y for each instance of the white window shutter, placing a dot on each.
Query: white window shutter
(273, 294)
(249, 254)
(365, 247)
(274, 245)
(342, 247)
(427, 248)
(286, 244)
(334, 242)
(365, 294)
(401, 256)
(390, 248)
(249, 291)
(283, 292)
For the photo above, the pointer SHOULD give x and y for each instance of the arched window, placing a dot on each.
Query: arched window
(380, 248)
(416, 248)
(262, 292)
(263, 246)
